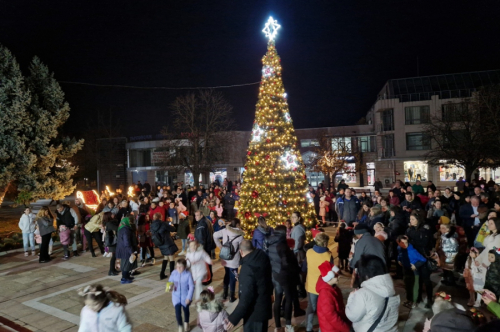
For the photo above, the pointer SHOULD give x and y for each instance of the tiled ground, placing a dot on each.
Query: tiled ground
(42, 297)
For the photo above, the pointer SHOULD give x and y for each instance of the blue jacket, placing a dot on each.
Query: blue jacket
(183, 287)
(414, 256)
(259, 236)
(403, 257)
(347, 209)
(124, 245)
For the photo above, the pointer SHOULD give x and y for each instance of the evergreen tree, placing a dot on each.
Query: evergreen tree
(15, 123)
(275, 183)
(51, 176)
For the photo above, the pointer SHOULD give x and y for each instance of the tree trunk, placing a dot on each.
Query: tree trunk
(3, 191)
(469, 170)
(196, 178)
(334, 175)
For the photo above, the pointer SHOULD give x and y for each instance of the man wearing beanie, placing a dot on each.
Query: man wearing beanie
(366, 245)
(331, 308)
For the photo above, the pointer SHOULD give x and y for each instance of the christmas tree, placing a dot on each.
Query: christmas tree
(274, 182)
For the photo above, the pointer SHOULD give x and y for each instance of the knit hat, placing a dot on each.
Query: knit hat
(444, 220)
(328, 272)
(360, 229)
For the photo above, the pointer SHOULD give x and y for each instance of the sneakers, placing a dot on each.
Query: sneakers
(289, 328)
(153, 261)
(26, 254)
(186, 327)
(143, 263)
(33, 253)
(126, 281)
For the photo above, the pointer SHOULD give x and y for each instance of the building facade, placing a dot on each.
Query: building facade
(390, 146)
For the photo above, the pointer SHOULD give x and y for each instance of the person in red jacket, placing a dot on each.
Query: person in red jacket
(331, 308)
(156, 208)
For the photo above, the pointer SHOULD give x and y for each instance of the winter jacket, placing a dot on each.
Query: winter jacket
(365, 305)
(227, 234)
(394, 200)
(212, 316)
(372, 220)
(489, 243)
(163, 229)
(144, 235)
(322, 207)
(183, 229)
(397, 226)
(420, 238)
(65, 236)
(112, 318)
(204, 234)
(367, 245)
(447, 247)
(403, 257)
(283, 262)
(413, 205)
(299, 236)
(157, 209)
(452, 320)
(347, 209)
(124, 246)
(255, 289)
(27, 223)
(112, 226)
(196, 263)
(331, 308)
(314, 258)
(259, 236)
(172, 213)
(143, 208)
(344, 239)
(414, 256)
(45, 225)
(183, 287)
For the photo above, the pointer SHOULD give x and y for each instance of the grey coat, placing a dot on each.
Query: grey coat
(45, 225)
(367, 245)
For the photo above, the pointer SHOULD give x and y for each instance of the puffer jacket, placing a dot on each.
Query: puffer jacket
(365, 305)
(331, 309)
(227, 234)
(110, 319)
(196, 263)
(212, 316)
(449, 246)
(259, 236)
(168, 247)
(27, 223)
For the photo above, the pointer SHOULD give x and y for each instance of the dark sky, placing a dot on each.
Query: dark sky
(336, 55)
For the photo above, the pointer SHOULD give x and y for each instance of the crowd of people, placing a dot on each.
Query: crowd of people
(415, 231)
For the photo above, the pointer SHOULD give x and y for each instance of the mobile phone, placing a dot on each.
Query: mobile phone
(480, 292)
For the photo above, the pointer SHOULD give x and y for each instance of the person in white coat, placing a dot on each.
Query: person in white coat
(27, 225)
(196, 259)
(234, 234)
(104, 310)
(375, 303)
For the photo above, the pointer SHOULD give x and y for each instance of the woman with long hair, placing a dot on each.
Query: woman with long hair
(45, 224)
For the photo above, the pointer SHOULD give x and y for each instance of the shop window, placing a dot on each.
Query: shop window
(450, 173)
(415, 170)
(342, 144)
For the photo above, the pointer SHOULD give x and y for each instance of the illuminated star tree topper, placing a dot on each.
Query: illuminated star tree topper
(271, 29)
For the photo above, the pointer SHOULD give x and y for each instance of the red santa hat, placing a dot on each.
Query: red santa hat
(328, 272)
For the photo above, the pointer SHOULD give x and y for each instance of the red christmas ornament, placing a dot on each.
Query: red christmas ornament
(295, 169)
(268, 140)
(247, 215)
(255, 194)
(267, 157)
(285, 202)
(249, 153)
(246, 167)
(305, 176)
(265, 214)
(257, 163)
(256, 214)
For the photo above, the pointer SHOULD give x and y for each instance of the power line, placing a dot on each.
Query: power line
(158, 87)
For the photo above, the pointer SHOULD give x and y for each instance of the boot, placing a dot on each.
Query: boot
(163, 268)
(186, 327)
(231, 297)
(478, 301)
(172, 267)
(224, 295)
(181, 328)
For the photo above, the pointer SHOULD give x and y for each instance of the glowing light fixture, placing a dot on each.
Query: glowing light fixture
(89, 198)
(289, 160)
(271, 29)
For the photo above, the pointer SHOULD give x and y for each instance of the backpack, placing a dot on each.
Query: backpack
(111, 239)
(227, 252)
(157, 238)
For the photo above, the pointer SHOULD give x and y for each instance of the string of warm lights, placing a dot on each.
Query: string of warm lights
(275, 182)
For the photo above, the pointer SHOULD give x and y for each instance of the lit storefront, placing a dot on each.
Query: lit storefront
(450, 173)
(415, 170)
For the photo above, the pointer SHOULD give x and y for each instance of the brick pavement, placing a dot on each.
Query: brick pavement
(42, 297)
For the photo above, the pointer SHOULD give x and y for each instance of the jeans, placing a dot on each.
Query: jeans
(184, 244)
(31, 238)
(178, 315)
(279, 291)
(44, 247)
(311, 309)
(230, 278)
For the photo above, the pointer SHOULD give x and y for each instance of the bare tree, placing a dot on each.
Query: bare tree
(465, 134)
(199, 136)
(331, 156)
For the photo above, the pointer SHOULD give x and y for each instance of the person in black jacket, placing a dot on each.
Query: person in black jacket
(397, 226)
(163, 231)
(204, 233)
(256, 289)
(111, 226)
(285, 272)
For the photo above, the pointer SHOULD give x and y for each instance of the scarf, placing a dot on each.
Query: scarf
(124, 223)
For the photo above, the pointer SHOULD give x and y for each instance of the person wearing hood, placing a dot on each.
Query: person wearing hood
(331, 308)
(260, 233)
(285, 277)
(161, 231)
(366, 244)
(374, 306)
(125, 247)
(314, 258)
(212, 315)
(233, 234)
(256, 289)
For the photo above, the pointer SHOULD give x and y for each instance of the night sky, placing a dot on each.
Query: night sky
(336, 55)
